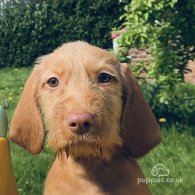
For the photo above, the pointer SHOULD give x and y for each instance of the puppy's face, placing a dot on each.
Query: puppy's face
(79, 79)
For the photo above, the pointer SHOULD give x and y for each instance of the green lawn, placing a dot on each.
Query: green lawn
(176, 152)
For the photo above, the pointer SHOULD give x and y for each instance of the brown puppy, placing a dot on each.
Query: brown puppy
(96, 117)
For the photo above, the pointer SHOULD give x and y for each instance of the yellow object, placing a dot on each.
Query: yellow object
(162, 120)
(7, 178)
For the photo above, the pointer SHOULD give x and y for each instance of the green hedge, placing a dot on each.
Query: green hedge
(29, 29)
(179, 107)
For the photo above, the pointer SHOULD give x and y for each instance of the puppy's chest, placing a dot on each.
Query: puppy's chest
(75, 183)
(78, 181)
(81, 186)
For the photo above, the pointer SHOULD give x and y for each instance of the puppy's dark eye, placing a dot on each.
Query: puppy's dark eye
(53, 82)
(104, 77)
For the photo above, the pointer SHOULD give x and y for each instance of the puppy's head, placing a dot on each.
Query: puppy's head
(87, 101)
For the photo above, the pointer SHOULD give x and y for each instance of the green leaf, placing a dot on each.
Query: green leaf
(146, 15)
(172, 3)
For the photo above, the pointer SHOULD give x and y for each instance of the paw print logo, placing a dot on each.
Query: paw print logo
(160, 170)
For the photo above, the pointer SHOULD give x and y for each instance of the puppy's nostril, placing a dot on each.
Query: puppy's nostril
(86, 124)
(73, 124)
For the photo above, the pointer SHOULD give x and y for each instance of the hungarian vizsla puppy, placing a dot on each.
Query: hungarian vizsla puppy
(96, 118)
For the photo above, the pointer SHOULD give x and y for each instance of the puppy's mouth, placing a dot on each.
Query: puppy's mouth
(96, 143)
(89, 145)
(85, 145)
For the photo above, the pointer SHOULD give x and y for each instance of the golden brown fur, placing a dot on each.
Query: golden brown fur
(101, 160)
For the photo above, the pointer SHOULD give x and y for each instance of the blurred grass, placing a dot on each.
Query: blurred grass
(11, 86)
(31, 170)
(176, 152)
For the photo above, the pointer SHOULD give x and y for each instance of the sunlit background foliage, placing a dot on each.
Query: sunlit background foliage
(167, 29)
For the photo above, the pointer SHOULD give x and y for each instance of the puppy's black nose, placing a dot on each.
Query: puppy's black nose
(80, 122)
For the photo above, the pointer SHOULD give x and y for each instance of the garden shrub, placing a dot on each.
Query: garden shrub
(179, 107)
(183, 103)
(167, 29)
(29, 29)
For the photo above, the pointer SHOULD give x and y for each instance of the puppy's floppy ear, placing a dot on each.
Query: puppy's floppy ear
(139, 129)
(26, 126)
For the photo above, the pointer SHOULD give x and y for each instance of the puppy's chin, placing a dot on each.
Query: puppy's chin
(86, 150)
(90, 151)
(86, 146)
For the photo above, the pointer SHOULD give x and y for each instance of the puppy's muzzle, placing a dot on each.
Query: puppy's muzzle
(80, 123)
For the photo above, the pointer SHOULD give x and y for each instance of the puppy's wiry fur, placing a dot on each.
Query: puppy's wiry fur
(101, 160)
